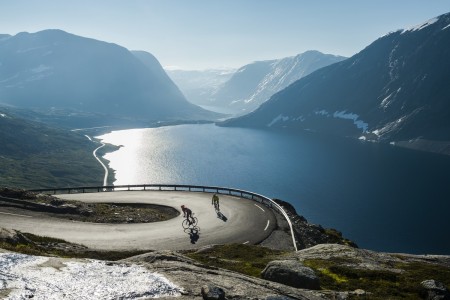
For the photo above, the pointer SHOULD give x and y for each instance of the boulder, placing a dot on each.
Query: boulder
(292, 273)
(434, 290)
(210, 292)
(13, 237)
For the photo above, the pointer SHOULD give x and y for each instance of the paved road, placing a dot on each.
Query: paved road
(246, 222)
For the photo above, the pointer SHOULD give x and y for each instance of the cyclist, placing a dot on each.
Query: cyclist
(215, 201)
(187, 213)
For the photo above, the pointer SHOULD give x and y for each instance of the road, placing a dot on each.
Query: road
(244, 221)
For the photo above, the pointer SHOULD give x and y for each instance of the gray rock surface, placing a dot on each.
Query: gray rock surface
(434, 290)
(12, 236)
(192, 276)
(210, 292)
(292, 273)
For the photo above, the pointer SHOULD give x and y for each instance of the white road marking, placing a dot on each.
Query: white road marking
(260, 207)
(267, 226)
(24, 216)
(246, 242)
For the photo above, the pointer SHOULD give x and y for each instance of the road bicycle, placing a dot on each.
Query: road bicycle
(191, 222)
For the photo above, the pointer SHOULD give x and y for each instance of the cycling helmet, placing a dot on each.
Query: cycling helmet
(182, 206)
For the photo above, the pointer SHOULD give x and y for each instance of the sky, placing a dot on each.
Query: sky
(205, 34)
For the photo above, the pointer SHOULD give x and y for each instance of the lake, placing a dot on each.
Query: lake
(382, 197)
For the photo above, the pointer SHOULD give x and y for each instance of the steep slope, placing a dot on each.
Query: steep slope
(33, 155)
(199, 86)
(55, 69)
(395, 89)
(253, 84)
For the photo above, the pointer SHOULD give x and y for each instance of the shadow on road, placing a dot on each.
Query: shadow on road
(194, 234)
(221, 215)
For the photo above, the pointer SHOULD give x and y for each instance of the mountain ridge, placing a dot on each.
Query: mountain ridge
(393, 90)
(53, 68)
(254, 83)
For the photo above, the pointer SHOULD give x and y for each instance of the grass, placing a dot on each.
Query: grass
(245, 259)
(34, 155)
(335, 274)
(382, 284)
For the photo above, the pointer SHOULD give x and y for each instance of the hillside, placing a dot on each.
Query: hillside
(394, 90)
(52, 69)
(33, 155)
(200, 85)
(253, 84)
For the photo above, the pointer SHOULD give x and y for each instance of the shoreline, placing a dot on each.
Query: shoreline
(108, 172)
(105, 178)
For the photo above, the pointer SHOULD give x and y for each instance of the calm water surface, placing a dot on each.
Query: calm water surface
(382, 197)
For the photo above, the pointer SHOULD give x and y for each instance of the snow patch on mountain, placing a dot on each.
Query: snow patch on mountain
(351, 116)
(36, 277)
(278, 119)
(3, 115)
(387, 101)
(21, 51)
(422, 25)
(322, 112)
(41, 68)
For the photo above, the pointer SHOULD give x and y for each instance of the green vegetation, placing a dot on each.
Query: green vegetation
(89, 212)
(33, 155)
(245, 259)
(382, 284)
(397, 281)
(47, 246)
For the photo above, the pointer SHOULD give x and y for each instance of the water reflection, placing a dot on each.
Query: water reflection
(384, 198)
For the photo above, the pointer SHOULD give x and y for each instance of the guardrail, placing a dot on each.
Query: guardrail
(177, 187)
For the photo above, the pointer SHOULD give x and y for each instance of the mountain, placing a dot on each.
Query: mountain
(54, 69)
(396, 89)
(34, 155)
(199, 86)
(255, 83)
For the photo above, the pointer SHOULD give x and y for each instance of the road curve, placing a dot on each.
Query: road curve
(245, 221)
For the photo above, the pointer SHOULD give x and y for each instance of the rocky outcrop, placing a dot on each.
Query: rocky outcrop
(210, 292)
(193, 276)
(434, 290)
(292, 273)
(13, 237)
(307, 234)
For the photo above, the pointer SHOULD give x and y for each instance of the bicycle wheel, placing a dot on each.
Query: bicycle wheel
(185, 224)
(194, 222)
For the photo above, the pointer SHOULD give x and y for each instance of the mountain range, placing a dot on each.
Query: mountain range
(243, 90)
(255, 83)
(53, 69)
(394, 90)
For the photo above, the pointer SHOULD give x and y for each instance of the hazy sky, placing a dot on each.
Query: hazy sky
(199, 34)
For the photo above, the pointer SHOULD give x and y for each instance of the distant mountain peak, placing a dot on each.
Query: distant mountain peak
(254, 83)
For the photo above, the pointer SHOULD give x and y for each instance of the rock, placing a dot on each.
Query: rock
(210, 292)
(434, 290)
(292, 273)
(161, 255)
(14, 237)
